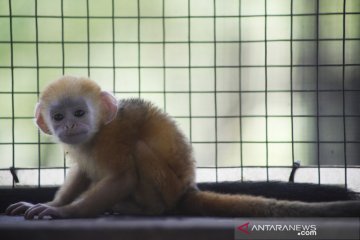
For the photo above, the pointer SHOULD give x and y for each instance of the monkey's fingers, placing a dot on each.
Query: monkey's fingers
(10, 209)
(18, 208)
(35, 210)
(50, 212)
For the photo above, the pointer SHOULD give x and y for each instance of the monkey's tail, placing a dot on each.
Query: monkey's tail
(203, 203)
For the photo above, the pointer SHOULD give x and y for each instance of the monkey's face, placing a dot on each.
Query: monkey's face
(71, 120)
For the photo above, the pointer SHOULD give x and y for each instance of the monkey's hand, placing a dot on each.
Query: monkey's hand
(42, 210)
(18, 208)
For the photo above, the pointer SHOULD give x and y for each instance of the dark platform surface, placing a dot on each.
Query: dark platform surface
(174, 228)
(165, 227)
(113, 227)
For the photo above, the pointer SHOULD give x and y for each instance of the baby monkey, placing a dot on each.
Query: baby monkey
(130, 158)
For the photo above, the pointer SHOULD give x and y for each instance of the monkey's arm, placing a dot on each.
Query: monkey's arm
(99, 197)
(75, 183)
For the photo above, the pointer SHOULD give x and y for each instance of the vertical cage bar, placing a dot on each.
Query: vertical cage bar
(164, 55)
(12, 88)
(317, 91)
(63, 60)
(215, 95)
(113, 44)
(343, 90)
(139, 47)
(291, 81)
(266, 96)
(240, 97)
(37, 84)
(88, 36)
(190, 71)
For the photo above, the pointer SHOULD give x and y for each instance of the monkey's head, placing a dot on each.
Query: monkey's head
(72, 109)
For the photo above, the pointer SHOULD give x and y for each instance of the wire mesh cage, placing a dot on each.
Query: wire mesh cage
(255, 84)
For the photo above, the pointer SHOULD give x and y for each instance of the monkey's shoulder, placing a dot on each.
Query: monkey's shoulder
(134, 103)
(143, 118)
(138, 108)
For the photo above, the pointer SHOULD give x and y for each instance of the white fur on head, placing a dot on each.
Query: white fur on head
(103, 104)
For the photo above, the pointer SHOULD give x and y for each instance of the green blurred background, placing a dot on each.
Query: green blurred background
(252, 83)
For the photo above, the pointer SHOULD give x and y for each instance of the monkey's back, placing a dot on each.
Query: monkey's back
(159, 152)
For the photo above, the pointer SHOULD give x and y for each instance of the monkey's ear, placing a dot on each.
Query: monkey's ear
(110, 103)
(39, 120)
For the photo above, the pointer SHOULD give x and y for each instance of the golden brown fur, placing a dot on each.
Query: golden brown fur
(67, 87)
(140, 163)
(163, 165)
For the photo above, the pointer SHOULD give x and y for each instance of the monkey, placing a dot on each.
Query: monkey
(307, 192)
(129, 157)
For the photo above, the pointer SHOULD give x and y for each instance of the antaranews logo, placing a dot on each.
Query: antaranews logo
(244, 228)
(297, 228)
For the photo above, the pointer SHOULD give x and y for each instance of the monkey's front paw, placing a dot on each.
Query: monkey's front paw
(43, 210)
(18, 208)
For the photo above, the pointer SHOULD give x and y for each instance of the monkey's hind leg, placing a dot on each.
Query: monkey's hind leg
(155, 173)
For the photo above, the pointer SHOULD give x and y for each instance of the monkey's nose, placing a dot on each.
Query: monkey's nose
(70, 126)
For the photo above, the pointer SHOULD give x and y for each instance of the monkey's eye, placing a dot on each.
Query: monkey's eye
(79, 113)
(58, 117)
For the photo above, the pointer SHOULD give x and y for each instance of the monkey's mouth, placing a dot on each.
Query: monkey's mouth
(75, 134)
(74, 137)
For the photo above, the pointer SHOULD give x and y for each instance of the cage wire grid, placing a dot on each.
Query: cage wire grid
(255, 85)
